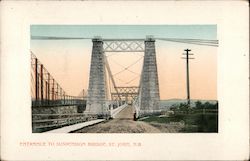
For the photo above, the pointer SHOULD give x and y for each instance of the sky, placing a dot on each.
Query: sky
(69, 60)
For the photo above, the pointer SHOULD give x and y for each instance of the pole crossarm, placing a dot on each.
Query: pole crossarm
(123, 45)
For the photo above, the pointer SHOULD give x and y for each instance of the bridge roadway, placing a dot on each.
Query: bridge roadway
(123, 123)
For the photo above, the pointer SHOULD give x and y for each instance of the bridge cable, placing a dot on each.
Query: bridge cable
(186, 40)
(132, 80)
(213, 43)
(194, 40)
(59, 38)
(126, 68)
(203, 42)
(110, 73)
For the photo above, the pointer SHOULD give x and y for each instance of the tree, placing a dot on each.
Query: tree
(198, 104)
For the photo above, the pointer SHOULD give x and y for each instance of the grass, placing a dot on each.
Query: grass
(194, 122)
(161, 119)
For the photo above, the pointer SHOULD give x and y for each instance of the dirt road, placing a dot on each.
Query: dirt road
(123, 123)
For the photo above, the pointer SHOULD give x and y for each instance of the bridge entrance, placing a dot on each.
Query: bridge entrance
(144, 98)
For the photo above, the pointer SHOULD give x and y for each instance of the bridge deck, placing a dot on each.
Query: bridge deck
(126, 113)
(71, 128)
(123, 123)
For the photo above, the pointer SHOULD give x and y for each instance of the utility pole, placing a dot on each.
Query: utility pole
(187, 54)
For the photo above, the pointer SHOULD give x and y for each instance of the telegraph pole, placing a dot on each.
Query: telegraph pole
(187, 54)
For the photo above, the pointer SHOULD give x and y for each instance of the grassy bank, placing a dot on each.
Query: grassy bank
(202, 118)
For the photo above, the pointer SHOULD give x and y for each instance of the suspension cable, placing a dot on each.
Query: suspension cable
(132, 80)
(127, 68)
(213, 43)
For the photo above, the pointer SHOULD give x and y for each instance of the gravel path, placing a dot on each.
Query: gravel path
(122, 124)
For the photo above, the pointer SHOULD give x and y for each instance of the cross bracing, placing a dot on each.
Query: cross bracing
(123, 46)
(125, 93)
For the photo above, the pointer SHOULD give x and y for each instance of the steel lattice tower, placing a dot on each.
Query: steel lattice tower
(149, 85)
(97, 81)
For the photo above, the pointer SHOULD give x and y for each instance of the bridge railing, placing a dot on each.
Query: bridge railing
(115, 111)
(45, 122)
(45, 90)
(136, 106)
(60, 102)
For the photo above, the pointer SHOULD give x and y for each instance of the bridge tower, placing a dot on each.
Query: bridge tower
(149, 86)
(97, 82)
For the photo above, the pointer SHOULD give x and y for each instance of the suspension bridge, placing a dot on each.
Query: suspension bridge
(52, 107)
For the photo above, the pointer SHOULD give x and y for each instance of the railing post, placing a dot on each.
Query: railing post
(48, 88)
(64, 98)
(46, 91)
(53, 89)
(57, 93)
(36, 79)
(41, 77)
